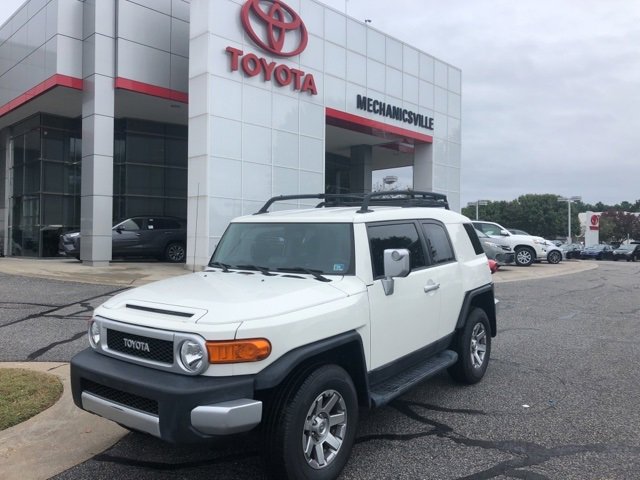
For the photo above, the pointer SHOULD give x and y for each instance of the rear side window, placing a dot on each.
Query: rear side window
(405, 235)
(438, 243)
(471, 231)
(163, 224)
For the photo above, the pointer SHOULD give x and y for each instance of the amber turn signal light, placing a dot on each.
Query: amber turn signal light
(238, 351)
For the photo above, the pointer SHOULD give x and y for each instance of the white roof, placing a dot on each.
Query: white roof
(350, 215)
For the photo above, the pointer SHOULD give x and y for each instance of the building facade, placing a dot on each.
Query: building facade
(203, 110)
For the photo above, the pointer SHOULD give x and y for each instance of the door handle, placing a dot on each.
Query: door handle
(138, 234)
(431, 287)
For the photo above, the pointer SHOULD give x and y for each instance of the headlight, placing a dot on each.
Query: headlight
(491, 244)
(73, 235)
(192, 356)
(539, 241)
(94, 334)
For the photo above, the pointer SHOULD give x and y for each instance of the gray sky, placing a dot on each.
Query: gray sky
(551, 89)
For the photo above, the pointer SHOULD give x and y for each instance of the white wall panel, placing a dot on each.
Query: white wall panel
(335, 27)
(144, 26)
(256, 144)
(179, 37)
(70, 17)
(143, 64)
(285, 149)
(356, 37)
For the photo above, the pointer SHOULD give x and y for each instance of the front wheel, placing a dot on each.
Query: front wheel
(473, 346)
(312, 427)
(554, 257)
(524, 256)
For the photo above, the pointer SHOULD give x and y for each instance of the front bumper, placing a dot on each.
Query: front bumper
(506, 258)
(176, 408)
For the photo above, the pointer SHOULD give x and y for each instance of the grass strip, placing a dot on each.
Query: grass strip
(25, 393)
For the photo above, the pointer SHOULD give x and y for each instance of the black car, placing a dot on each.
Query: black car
(630, 253)
(159, 237)
(599, 252)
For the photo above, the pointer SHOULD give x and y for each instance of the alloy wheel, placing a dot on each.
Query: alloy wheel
(324, 429)
(478, 346)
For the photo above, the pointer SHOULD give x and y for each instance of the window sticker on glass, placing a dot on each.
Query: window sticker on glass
(339, 267)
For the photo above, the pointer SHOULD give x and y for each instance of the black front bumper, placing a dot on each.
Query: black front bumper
(169, 396)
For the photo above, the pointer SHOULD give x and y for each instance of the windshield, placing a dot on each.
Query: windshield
(626, 247)
(322, 247)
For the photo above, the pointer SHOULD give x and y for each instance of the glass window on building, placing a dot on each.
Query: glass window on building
(150, 169)
(45, 184)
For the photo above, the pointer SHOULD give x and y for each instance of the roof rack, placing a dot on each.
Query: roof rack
(400, 198)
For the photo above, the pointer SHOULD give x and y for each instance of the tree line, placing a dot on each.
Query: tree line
(545, 216)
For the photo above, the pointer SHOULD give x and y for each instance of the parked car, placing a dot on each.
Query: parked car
(572, 250)
(526, 248)
(496, 249)
(630, 253)
(159, 237)
(599, 252)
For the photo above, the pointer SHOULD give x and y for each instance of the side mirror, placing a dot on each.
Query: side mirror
(119, 229)
(505, 233)
(396, 264)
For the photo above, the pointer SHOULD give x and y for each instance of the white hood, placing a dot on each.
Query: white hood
(219, 298)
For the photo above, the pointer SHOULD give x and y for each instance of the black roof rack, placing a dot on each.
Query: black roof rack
(401, 198)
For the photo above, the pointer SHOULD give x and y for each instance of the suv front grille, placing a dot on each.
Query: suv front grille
(147, 348)
(123, 398)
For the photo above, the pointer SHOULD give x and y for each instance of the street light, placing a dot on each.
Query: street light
(569, 201)
(476, 204)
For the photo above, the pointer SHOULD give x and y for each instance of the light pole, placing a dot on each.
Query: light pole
(476, 204)
(569, 201)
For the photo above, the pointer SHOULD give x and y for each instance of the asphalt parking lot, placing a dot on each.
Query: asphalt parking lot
(559, 400)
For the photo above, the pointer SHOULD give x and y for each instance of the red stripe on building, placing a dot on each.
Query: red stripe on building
(153, 90)
(349, 121)
(53, 81)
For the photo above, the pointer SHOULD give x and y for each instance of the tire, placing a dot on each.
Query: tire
(175, 252)
(301, 418)
(554, 257)
(525, 256)
(473, 346)
(615, 259)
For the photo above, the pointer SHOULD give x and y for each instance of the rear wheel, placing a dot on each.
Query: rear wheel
(311, 426)
(473, 346)
(525, 256)
(175, 252)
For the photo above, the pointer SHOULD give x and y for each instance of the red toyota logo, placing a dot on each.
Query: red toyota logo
(595, 219)
(279, 19)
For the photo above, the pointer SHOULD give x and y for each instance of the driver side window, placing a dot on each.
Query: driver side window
(404, 235)
(131, 224)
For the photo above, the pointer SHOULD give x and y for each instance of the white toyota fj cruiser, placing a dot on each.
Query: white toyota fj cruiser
(301, 318)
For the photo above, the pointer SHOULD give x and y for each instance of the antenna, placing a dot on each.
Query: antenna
(195, 236)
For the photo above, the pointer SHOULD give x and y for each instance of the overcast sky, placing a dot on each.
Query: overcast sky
(550, 89)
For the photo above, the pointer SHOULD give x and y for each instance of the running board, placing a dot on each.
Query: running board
(382, 393)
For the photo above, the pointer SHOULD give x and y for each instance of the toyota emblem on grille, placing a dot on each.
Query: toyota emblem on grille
(279, 21)
(136, 345)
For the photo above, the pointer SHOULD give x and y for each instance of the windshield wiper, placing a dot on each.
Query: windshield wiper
(223, 266)
(263, 270)
(316, 273)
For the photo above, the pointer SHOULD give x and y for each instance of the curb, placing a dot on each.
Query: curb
(56, 439)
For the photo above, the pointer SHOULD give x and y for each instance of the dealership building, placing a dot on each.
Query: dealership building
(204, 109)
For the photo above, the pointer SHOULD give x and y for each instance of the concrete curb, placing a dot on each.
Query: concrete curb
(56, 439)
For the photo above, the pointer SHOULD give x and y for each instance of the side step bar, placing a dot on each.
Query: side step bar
(382, 393)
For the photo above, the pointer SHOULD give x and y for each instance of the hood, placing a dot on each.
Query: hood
(214, 297)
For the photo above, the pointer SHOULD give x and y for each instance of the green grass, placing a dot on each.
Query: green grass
(25, 393)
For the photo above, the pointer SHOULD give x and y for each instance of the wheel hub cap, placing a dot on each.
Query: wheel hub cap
(324, 429)
(478, 346)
